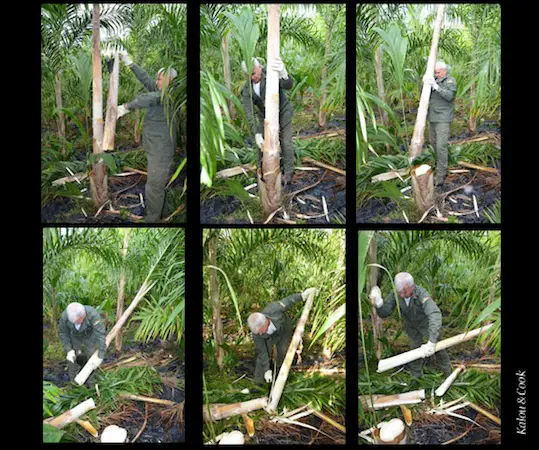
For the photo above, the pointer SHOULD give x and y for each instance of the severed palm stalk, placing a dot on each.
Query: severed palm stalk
(278, 387)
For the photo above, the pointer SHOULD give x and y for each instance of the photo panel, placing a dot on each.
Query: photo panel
(274, 333)
(429, 337)
(273, 113)
(428, 125)
(113, 335)
(113, 113)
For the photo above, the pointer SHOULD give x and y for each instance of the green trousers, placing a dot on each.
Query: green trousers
(84, 350)
(287, 149)
(439, 137)
(158, 176)
(440, 358)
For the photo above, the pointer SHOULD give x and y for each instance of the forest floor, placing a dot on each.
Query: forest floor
(455, 202)
(126, 193)
(164, 423)
(303, 198)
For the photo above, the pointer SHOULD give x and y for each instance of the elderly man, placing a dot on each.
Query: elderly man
(272, 327)
(158, 137)
(440, 115)
(82, 332)
(422, 319)
(254, 95)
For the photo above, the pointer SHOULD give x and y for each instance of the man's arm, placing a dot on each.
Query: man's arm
(99, 332)
(289, 301)
(448, 91)
(145, 100)
(387, 307)
(434, 315)
(63, 333)
(262, 359)
(248, 108)
(143, 77)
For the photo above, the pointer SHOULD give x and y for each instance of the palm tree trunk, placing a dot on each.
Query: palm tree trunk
(98, 175)
(322, 114)
(226, 70)
(380, 83)
(271, 155)
(121, 291)
(61, 120)
(424, 188)
(136, 130)
(217, 323)
(372, 281)
(112, 107)
(418, 138)
(53, 311)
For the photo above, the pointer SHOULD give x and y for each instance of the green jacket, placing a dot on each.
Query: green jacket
(442, 101)
(275, 311)
(421, 314)
(286, 110)
(92, 330)
(156, 134)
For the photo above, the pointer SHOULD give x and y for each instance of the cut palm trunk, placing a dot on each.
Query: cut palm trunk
(218, 411)
(92, 364)
(418, 138)
(143, 398)
(72, 415)
(112, 107)
(391, 433)
(98, 175)
(270, 188)
(386, 401)
(423, 186)
(448, 381)
(278, 386)
(417, 353)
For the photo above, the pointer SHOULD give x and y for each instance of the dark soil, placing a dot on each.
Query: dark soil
(220, 209)
(446, 428)
(484, 185)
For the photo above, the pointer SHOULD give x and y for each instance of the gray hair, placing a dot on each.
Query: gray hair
(256, 63)
(441, 65)
(168, 71)
(403, 279)
(75, 311)
(256, 321)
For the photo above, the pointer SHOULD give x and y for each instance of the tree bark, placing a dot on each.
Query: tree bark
(322, 114)
(387, 401)
(112, 107)
(418, 138)
(271, 154)
(61, 120)
(226, 70)
(72, 415)
(423, 187)
(412, 355)
(98, 175)
(278, 387)
(372, 281)
(380, 83)
(86, 371)
(121, 289)
(217, 323)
